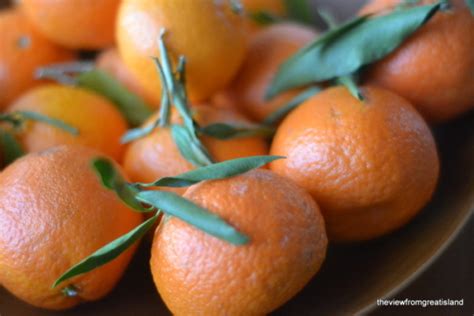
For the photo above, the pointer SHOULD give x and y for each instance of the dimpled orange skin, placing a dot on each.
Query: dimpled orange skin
(54, 212)
(156, 155)
(77, 24)
(111, 62)
(198, 274)
(434, 68)
(22, 51)
(99, 123)
(371, 166)
(268, 49)
(207, 32)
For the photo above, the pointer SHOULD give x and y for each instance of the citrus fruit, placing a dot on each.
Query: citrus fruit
(22, 51)
(78, 24)
(156, 155)
(371, 165)
(198, 274)
(53, 213)
(111, 62)
(99, 123)
(434, 68)
(268, 49)
(208, 33)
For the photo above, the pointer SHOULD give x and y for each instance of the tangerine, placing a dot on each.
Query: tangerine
(434, 68)
(196, 273)
(77, 24)
(53, 213)
(77, 107)
(207, 32)
(268, 49)
(156, 155)
(22, 50)
(371, 165)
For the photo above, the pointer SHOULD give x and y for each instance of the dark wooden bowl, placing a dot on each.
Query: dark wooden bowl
(353, 276)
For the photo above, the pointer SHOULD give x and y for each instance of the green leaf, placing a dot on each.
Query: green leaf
(227, 131)
(134, 109)
(350, 84)
(299, 10)
(190, 149)
(175, 205)
(164, 116)
(113, 180)
(165, 104)
(139, 132)
(33, 116)
(408, 3)
(10, 149)
(470, 4)
(283, 111)
(109, 252)
(328, 18)
(176, 88)
(264, 18)
(345, 49)
(215, 171)
(184, 136)
(19, 117)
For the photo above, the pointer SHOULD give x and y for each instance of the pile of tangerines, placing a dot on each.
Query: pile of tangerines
(244, 140)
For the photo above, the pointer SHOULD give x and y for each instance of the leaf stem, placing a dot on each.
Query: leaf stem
(351, 85)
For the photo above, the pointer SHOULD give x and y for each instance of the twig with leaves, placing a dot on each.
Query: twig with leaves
(157, 202)
(187, 134)
(345, 49)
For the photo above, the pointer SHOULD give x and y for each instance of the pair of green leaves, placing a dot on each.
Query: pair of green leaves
(167, 202)
(84, 75)
(186, 135)
(344, 50)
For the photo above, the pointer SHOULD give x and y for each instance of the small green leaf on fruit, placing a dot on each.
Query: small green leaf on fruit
(351, 85)
(134, 109)
(177, 206)
(215, 171)
(109, 252)
(34, 116)
(345, 49)
(113, 180)
(226, 131)
(285, 109)
(190, 148)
